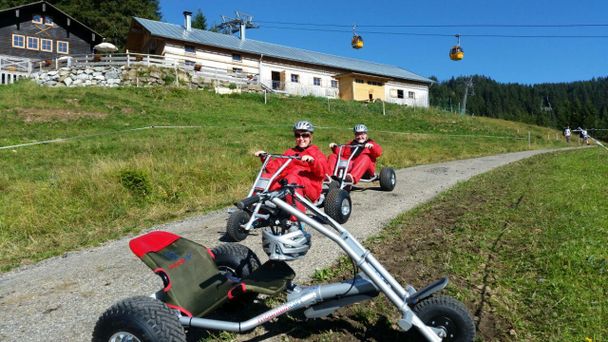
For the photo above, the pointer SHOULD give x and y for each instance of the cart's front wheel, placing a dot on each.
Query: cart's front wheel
(338, 205)
(141, 319)
(388, 179)
(234, 228)
(449, 315)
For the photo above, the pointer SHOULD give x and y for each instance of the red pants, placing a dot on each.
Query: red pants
(357, 168)
(310, 191)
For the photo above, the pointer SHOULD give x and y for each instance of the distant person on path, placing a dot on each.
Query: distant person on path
(364, 161)
(307, 171)
(584, 135)
(567, 134)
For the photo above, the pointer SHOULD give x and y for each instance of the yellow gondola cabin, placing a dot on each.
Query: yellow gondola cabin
(456, 53)
(357, 42)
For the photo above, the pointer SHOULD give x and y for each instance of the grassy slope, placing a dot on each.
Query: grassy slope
(77, 193)
(524, 246)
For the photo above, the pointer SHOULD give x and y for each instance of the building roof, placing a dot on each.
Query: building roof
(31, 4)
(203, 37)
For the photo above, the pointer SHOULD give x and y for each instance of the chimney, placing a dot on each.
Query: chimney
(242, 30)
(188, 20)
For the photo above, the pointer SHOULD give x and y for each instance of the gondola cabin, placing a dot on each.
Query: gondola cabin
(456, 53)
(357, 42)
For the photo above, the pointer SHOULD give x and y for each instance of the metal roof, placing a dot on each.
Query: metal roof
(203, 37)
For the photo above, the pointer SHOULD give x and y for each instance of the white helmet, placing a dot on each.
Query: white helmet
(304, 126)
(360, 128)
(290, 245)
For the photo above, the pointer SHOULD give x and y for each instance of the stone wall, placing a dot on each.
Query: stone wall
(135, 76)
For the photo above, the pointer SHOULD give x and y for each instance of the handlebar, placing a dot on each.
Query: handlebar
(248, 201)
(279, 156)
(268, 195)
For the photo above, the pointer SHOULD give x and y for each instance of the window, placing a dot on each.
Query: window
(49, 21)
(33, 43)
(316, 81)
(237, 70)
(189, 63)
(236, 57)
(374, 83)
(37, 19)
(358, 80)
(189, 49)
(295, 78)
(18, 41)
(400, 93)
(334, 84)
(411, 95)
(46, 45)
(63, 47)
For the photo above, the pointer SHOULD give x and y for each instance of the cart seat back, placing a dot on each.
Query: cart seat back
(192, 283)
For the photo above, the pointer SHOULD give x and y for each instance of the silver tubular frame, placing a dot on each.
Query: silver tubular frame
(323, 299)
(338, 160)
(378, 275)
(255, 213)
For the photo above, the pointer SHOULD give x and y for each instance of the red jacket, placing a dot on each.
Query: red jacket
(314, 171)
(374, 152)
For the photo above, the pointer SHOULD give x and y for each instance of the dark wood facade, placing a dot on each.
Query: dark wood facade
(41, 31)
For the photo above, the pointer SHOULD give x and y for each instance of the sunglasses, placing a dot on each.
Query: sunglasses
(301, 135)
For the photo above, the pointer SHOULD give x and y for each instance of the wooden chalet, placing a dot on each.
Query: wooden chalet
(41, 31)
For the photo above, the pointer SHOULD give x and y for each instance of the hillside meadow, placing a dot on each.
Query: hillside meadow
(134, 157)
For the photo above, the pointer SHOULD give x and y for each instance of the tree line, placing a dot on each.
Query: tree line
(557, 105)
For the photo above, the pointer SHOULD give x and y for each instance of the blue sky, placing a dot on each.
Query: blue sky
(504, 59)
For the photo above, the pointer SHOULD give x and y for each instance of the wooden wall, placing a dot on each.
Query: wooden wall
(80, 39)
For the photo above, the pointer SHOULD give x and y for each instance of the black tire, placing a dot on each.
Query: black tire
(388, 179)
(238, 261)
(234, 231)
(338, 205)
(334, 184)
(144, 318)
(449, 314)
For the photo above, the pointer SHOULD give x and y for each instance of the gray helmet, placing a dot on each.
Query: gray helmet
(303, 126)
(290, 245)
(360, 128)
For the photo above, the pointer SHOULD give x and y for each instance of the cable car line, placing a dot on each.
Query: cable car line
(439, 34)
(443, 25)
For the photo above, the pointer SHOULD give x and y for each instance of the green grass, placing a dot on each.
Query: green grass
(77, 193)
(524, 247)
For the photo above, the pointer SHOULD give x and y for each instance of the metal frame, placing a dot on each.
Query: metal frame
(344, 164)
(264, 184)
(324, 299)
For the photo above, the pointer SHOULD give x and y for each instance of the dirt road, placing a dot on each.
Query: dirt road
(61, 298)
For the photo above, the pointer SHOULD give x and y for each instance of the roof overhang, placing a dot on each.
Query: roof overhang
(366, 76)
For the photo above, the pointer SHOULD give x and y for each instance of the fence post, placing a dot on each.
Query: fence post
(383, 109)
(529, 143)
(176, 74)
(265, 100)
(128, 59)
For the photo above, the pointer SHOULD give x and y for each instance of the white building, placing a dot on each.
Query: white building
(279, 68)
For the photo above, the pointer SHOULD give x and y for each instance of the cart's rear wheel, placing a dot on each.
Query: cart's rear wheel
(449, 315)
(141, 319)
(338, 205)
(238, 261)
(388, 179)
(234, 229)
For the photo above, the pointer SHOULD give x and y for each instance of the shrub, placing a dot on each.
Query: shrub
(136, 182)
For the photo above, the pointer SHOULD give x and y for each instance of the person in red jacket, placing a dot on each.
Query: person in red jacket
(364, 162)
(308, 171)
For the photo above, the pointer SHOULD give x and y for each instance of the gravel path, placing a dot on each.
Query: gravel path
(61, 298)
